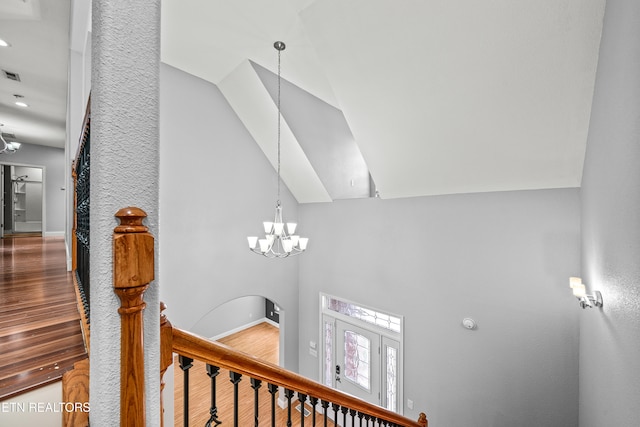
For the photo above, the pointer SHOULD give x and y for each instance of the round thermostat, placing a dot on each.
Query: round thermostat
(469, 323)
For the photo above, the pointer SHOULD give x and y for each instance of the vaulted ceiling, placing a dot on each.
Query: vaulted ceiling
(427, 96)
(439, 96)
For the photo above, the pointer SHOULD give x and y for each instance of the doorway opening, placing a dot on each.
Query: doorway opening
(362, 351)
(251, 324)
(22, 200)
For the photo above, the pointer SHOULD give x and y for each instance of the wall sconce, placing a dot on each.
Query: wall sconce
(579, 291)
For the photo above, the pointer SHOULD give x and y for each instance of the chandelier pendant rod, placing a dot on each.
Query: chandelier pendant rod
(279, 47)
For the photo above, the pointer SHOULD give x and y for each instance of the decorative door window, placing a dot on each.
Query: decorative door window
(357, 356)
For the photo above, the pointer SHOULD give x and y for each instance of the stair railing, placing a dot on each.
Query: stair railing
(80, 172)
(133, 271)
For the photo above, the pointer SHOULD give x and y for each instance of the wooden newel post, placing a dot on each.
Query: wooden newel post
(423, 420)
(133, 267)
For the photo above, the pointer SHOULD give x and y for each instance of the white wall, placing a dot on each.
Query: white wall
(54, 180)
(610, 337)
(502, 259)
(216, 188)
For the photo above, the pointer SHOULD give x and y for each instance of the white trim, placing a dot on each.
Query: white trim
(243, 327)
(54, 234)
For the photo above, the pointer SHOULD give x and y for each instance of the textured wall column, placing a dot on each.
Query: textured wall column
(609, 344)
(124, 172)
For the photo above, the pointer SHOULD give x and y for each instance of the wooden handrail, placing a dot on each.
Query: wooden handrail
(195, 347)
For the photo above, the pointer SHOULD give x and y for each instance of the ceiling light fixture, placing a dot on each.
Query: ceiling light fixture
(19, 101)
(8, 147)
(279, 241)
(4, 43)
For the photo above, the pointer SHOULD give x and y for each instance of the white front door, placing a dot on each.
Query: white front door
(357, 369)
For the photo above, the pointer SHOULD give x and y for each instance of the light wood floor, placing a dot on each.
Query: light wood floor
(261, 341)
(40, 335)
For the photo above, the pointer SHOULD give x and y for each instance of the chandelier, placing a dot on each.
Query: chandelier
(280, 240)
(8, 147)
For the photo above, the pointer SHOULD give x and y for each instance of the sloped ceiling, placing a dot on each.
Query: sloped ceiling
(441, 96)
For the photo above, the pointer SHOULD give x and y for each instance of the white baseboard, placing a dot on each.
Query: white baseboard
(54, 234)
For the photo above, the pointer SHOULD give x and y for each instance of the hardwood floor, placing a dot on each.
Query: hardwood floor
(261, 341)
(40, 334)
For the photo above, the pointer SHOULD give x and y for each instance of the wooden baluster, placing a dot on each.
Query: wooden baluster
(255, 385)
(166, 354)
(273, 389)
(325, 407)
(133, 270)
(185, 364)
(302, 398)
(289, 395)
(422, 420)
(314, 403)
(212, 372)
(235, 380)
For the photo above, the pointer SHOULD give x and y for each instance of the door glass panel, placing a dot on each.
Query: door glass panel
(328, 353)
(383, 320)
(392, 379)
(357, 356)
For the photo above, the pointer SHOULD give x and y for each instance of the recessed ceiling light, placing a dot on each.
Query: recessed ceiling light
(20, 102)
(4, 43)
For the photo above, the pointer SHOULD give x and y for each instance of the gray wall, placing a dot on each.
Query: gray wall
(610, 337)
(501, 258)
(230, 316)
(216, 188)
(54, 180)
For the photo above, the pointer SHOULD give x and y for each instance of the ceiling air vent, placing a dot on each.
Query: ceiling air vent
(11, 76)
